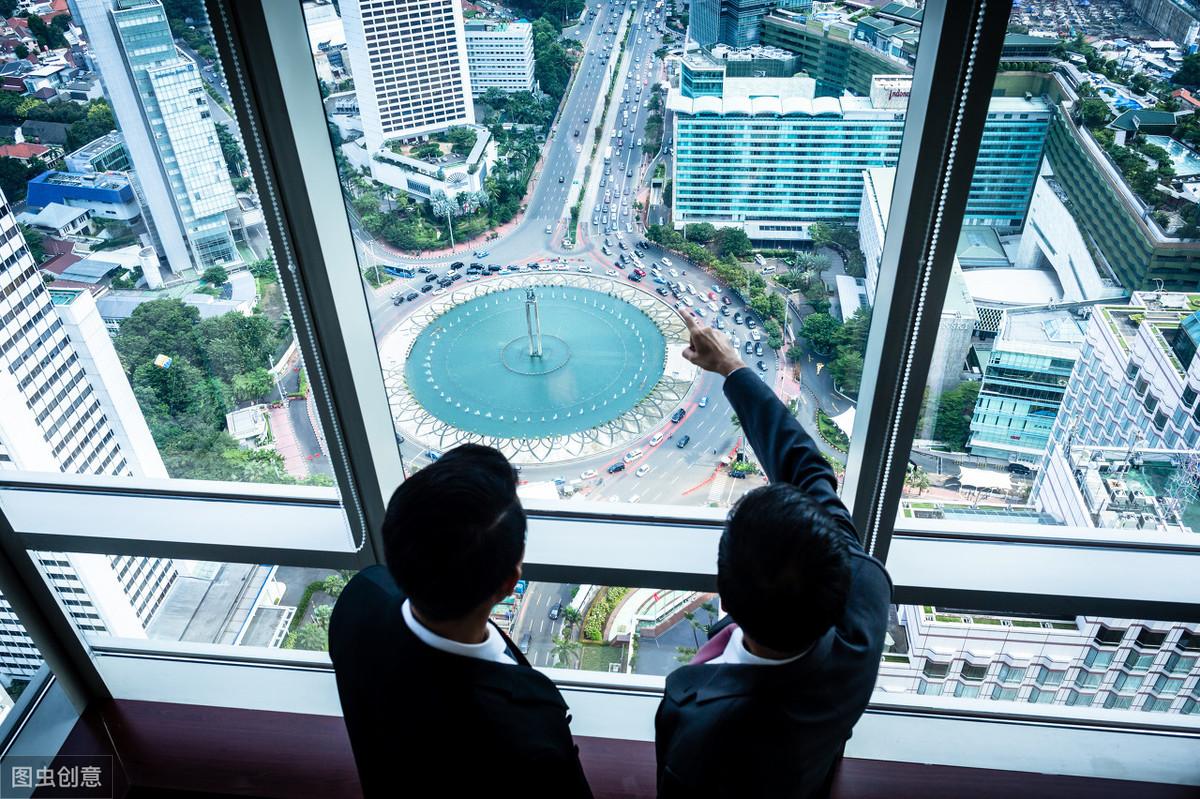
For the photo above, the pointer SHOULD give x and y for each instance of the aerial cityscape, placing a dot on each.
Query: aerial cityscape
(537, 192)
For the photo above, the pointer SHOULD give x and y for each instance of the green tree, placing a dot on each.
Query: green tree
(312, 638)
(735, 421)
(1094, 113)
(97, 121)
(952, 419)
(231, 151)
(166, 327)
(48, 37)
(252, 385)
(35, 242)
(917, 479)
(1189, 72)
(822, 332)
(14, 175)
(732, 241)
(565, 651)
(462, 139)
(215, 276)
(847, 369)
(701, 232)
(264, 269)
(334, 584)
(572, 616)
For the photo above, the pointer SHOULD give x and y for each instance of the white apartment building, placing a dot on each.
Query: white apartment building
(409, 61)
(1137, 379)
(500, 55)
(68, 407)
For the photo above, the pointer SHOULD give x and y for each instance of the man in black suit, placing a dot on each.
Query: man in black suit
(437, 700)
(765, 708)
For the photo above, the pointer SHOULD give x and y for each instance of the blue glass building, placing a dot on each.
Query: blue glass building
(768, 156)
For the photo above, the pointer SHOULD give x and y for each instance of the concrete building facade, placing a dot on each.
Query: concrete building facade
(500, 55)
(409, 61)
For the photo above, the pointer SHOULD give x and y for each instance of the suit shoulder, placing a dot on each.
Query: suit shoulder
(363, 600)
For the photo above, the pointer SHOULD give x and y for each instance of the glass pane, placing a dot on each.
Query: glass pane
(525, 267)
(143, 331)
(204, 602)
(19, 658)
(1063, 389)
(1038, 659)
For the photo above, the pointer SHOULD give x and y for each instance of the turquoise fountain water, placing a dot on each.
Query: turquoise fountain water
(477, 366)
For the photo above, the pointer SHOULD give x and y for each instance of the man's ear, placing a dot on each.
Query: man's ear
(509, 584)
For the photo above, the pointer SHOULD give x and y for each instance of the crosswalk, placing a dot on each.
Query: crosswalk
(719, 489)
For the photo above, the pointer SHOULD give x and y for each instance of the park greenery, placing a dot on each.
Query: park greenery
(842, 238)
(235, 159)
(832, 434)
(844, 343)
(551, 62)
(313, 635)
(597, 615)
(214, 363)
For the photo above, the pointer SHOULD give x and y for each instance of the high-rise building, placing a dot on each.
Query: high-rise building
(704, 21)
(1024, 380)
(157, 94)
(409, 61)
(68, 407)
(1076, 661)
(770, 157)
(105, 154)
(500, 55)
(741, 21)
(1138, 381)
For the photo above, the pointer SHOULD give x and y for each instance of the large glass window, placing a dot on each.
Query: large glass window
(143, 329)
(525, 272)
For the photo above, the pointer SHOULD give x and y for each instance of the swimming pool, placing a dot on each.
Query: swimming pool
(1183, 158)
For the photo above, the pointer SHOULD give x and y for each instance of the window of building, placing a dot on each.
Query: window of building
(1139, 661)
(1049, 678)
(1006, 694)
(967, 691)
(1126, 682)
(935, 670)
(1149, 639)
(1168, 685)
(1117, 702)
(973, 672)
(1180, 664)
(1040, 696)
(1011, 674)
(1098, 658)
(1108, 636)
(1088, 679)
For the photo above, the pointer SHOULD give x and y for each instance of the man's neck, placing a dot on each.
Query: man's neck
(469, 630)
(755, 648)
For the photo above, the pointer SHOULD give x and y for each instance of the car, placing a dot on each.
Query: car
(719, 323)
(473, 278)
(561, 179)
(619, 466)
(724, 310)
(683, 442)
(727, 301)
(654, 439)
(662, 291)
(397, 300)
(438, 291)
(637, 270)
(456, 266)
(703, 403)
(555, 611)
(1019, 468)
(749, 350)
(712, 295)
(426, 288)
(642, 470)
(633, 454)
(587, 475)
(577, 132)
(737, 317)
(712, 306)
(456, 278)
(762, 367)
(481, 253)
(755, 335)
(672, 272)
(634, 499)
(750, 323)
(700, 312)
(715, 289)
(526, 642)
(634, 277)
(412, 295)
(424, 270)
(578, 149)
(584, 268)
(611, 272)
(549, 229)
(677, 417)
(667, 262)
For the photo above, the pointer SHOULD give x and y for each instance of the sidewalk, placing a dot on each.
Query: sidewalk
(286, 444)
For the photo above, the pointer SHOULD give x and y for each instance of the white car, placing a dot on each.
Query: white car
(712, 306)
(635, 499)
(654, 439)
(588, 475)
(611, 272)
(754, 335)
(633, 455)
(584, 268)
(561, 267)
(673, 273)
(641, 472)
(578, 148)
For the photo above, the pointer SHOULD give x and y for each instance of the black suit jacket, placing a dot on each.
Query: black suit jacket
(423, 722)
(776, 731)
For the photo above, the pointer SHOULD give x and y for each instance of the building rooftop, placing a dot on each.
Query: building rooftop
(1145, 119)
(1138, 489)
(1054, 333)
(979, 245)
(53, 216)
(97, 146)
(60, 296)
(1008, 286)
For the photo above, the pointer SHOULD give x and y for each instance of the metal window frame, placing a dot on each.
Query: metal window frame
(957, 60)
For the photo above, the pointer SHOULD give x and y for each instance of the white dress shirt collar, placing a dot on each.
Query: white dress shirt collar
(736, 654)
(493, 649)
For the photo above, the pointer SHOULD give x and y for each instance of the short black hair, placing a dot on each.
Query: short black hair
(783, 567)
(454, 531)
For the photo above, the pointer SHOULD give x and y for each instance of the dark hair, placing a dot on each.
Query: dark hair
(783, 567)
(454, 531)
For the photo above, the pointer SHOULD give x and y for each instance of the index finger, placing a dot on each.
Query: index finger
(692, 325)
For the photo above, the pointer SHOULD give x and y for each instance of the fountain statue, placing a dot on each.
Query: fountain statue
(533, 323)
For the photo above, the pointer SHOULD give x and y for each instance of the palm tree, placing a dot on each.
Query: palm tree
(565, 650)
(572, 616)
(736, 422)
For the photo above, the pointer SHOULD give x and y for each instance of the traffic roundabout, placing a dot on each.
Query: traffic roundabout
(546, 367)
